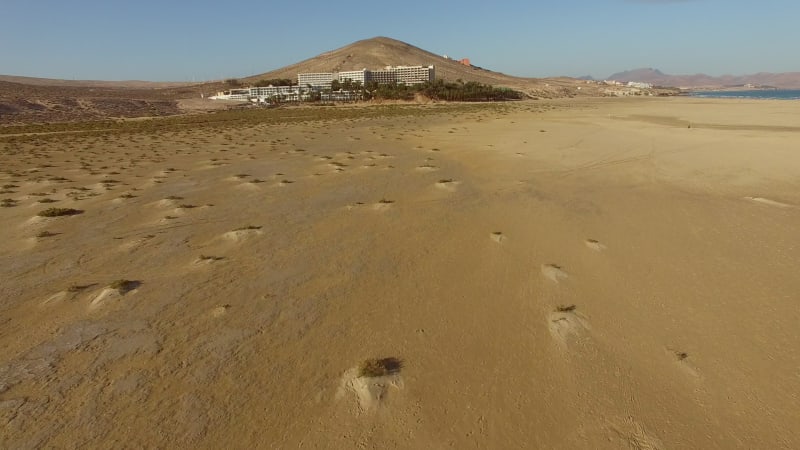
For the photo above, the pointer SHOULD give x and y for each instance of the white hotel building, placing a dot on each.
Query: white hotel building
(322, 81)
(389, 74)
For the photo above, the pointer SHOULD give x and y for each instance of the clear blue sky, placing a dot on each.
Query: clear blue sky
(178, 40)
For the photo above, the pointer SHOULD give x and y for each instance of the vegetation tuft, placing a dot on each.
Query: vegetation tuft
(123, 285)
(57, 212)
(374, 367)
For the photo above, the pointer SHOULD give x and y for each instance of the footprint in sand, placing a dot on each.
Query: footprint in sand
(766, 201)
(371, 382)
(205, 260)
(67, 294)
(169, 202)
(243, 233)
(383, 205)
(136, 243)
(554, 272)
(353, 206)
(595, 245)
(447, 184)
(220, 311)
(498, 236)
(566, 324)
(683, 361)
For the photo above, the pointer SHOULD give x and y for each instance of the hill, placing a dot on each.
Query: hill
(788, 80)
(379, 52)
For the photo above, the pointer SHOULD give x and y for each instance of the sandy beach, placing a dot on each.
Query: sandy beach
(584, 273)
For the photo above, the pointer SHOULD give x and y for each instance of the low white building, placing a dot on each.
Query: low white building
(640, 85)
(262, 94)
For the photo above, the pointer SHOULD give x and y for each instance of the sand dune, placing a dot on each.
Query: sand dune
(573, 274)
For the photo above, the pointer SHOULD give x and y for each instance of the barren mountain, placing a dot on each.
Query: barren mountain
(788, 80)
(378, 52)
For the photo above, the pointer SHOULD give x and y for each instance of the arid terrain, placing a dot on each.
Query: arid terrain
(25, 100)
(562, 274)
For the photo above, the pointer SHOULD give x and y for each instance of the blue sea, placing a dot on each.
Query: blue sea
(780, 94)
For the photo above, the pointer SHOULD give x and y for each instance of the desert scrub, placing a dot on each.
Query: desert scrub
(44, 234)
(123, 286)
(75, 287)
(57, 212)
(8, 202)
(382, 367)
(47, 200)
(248, 227)
(565, 308)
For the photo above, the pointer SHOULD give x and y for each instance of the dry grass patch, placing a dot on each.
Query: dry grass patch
(248, 227)
(57, 212)
(382, 367)
(122, 286)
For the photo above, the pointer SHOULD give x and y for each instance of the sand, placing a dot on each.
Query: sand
(574, 274)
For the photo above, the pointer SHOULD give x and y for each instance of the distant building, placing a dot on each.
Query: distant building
(465, 61)
(263, 94)
(315, 79)
(639, 85)
(354, 75)
(389, 74)
(321, 83)
(414, 74)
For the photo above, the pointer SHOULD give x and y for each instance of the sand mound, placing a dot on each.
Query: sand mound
(110, 294)
(220, 311)
(566, 326)
(55, 298)
(766, 201)
(554, 272)
(370, 393)
(241, 235)
(447, 185)
(595, 245)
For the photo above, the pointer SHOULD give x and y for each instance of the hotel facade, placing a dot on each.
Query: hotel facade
(389, 74)
(322, 81)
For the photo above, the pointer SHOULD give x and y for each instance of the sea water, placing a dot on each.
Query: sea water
(772, 94)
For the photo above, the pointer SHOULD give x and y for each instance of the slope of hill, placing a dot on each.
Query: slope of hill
(127, 84)
(788, 80)
(35, 103)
